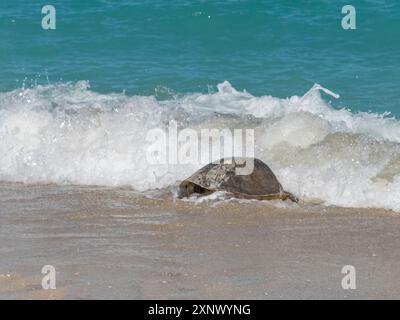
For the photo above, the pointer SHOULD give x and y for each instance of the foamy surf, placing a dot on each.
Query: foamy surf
(220, 198)
(68, 134)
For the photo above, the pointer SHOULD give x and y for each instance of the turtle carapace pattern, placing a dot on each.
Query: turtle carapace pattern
(261, 183)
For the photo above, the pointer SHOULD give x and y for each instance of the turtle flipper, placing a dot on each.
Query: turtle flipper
(288, 195)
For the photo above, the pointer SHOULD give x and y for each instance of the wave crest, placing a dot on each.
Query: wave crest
(67, 133)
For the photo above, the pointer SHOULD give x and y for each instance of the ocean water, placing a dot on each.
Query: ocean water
(76, 102)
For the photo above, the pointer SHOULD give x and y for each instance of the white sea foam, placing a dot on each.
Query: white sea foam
(67, 133)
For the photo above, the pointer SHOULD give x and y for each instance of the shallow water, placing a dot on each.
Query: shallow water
(115, 243)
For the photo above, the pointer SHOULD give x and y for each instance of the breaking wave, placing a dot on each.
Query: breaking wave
(66, 133)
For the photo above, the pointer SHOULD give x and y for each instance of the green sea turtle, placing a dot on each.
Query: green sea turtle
(221, 175)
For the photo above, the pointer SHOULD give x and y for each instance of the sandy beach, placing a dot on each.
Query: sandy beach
(113, 243)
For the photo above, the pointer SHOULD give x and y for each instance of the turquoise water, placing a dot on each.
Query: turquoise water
(278, 48)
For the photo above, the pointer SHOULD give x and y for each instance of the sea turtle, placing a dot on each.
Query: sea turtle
(221, 175)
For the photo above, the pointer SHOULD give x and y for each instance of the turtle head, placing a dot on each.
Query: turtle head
(187, 188)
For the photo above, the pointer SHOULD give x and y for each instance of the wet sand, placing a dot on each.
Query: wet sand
(117, 244)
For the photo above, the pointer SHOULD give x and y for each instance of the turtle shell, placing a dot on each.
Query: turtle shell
(223, 175)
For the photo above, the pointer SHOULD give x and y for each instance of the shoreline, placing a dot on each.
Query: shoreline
(114, 243)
